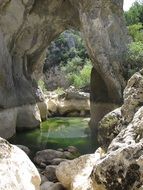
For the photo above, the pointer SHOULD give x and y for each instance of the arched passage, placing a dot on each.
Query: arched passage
(27, 27)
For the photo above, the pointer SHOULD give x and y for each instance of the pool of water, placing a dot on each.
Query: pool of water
(57, 133)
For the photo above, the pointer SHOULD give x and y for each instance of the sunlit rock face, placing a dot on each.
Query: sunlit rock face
(16, 170)
(28, 27)
(121, 167)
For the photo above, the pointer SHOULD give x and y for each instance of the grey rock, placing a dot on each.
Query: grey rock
(28, 117)
(133, 96)
(72, 93)
(43, 178)
(109, 127)
(25, 149)
(50, 173)
(72, 149)
(46, 156)
(8, 119)
(46, 185)
(51, 186)
(57, 161)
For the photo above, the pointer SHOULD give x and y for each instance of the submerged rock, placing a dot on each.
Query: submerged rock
(16, 170)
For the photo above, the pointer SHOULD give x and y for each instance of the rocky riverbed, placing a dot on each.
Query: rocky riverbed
(48, 163)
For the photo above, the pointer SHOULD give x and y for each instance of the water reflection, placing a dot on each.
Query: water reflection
(57, 133)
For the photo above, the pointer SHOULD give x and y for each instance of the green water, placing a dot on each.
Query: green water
(57, 133)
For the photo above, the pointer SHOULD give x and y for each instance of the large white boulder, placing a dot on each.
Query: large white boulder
(75, 174)
(17, 172)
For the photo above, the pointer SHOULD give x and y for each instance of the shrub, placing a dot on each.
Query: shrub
(135, 57)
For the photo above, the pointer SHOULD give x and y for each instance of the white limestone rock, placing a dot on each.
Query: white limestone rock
(17, 172)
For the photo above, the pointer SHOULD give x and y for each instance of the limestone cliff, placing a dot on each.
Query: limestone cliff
(28, 26)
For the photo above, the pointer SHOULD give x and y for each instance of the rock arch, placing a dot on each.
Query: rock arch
(28, 26)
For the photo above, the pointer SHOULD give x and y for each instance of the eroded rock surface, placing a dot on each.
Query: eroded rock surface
(28, 27)
(75, 174)
(121, 168)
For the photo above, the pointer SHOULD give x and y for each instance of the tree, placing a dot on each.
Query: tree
(135, 13)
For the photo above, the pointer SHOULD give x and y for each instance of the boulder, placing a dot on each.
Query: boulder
(72, 149)
(46, 156)
(72, 93)
(57, 161)
(25, 149)
(50, 173)
(43, 178)
(109, 127)
(133, 96)
(121, 168)
(67, 106)
(51, 186)
(43, 107)
(8, 118)
(52, 105)
(16, 170)
(75, 174)
(28, 117)
(46, 185)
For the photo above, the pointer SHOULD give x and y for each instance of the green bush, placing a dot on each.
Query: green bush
(135, 57)
(136, 31)
(82, 77)
(41, 84)
(135, 13)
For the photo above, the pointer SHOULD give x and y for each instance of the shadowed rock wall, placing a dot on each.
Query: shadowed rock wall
(28, 26)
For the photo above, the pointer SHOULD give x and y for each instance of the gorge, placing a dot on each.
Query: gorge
(27, 27)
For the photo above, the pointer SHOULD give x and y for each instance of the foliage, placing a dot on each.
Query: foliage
(59, 91)
(41, 84)
(134, 20)
(136, 31)
(135, 57)
(69, 53)
(81, 78)
(66, 47)
(135, 14)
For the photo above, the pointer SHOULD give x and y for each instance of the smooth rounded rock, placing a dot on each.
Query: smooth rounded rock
(46, 156)
(16, 169)
(25, 149)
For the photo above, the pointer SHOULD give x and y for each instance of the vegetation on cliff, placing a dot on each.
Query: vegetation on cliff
(134, 21)
(69, 54)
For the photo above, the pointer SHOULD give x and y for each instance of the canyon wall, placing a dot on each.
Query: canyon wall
(29, 26)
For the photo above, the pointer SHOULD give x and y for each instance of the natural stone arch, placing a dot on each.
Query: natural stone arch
(28, 26)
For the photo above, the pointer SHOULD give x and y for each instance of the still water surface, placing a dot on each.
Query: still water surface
(57, 133)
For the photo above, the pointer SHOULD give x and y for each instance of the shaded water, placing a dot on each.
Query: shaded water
(57, 133)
